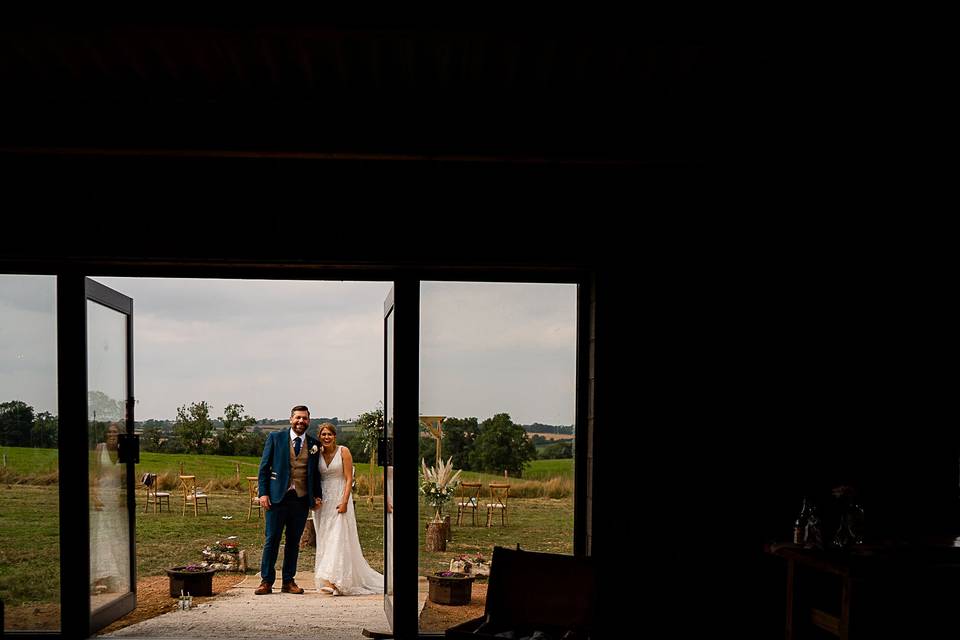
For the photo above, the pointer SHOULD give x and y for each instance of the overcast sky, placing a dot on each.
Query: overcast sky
(485, 347)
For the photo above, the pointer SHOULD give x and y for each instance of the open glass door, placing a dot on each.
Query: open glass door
(113, 451)
(385, 455)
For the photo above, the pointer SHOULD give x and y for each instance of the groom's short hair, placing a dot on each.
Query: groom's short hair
(299, 407)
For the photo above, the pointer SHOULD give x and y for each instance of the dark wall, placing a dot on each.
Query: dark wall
(751, 369)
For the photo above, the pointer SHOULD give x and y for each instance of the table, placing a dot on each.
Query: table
(879, 588)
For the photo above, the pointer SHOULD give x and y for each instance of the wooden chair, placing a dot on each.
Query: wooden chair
(192, 494)
(469, 499)
(499, 492)
(155, 498)
(254, 501)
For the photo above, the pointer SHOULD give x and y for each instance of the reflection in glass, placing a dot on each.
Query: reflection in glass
(29, 517)
(109, 521)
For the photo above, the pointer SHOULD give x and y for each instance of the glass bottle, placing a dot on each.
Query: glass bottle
(850, 529)
(800, 524)
(856, 521)
(813, 532)
(842, 537)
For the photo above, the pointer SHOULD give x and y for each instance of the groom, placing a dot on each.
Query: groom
(289, 487)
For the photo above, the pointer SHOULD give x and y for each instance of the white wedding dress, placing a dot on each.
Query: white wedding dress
(340, 559)
(109, 537)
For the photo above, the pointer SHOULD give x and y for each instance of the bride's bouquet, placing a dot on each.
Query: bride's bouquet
(438, 484)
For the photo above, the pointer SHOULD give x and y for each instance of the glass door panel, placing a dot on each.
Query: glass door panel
(112, 566)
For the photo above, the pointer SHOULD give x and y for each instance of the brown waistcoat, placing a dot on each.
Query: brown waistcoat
(298, 469)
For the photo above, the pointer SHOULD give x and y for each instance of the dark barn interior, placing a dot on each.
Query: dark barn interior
(747, 354)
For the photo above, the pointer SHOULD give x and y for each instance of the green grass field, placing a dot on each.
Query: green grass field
(535, 521)
(546, 469)
(29, 463)
(32, 550)
(536, 524)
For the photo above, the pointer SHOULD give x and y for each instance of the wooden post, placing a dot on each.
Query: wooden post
(373, 462)
(4, 461)
(309, 537)
(436, 537)
(237, 464)
(181, 467)
(436, 432)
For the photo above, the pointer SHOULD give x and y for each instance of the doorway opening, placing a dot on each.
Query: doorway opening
(498, 378)
(289, 354)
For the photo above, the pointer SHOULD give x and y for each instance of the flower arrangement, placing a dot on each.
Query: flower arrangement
(474, 564)
(456, 575)
(225, 547)
(476, 559)
(224, 555)
(193, 568)
(313, 450)
(437, 484)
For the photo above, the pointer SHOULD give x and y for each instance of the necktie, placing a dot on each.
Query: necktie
(296, 447)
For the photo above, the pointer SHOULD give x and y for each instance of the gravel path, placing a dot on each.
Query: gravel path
(238, 614)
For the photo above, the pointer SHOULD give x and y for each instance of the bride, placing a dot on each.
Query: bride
(340, 563)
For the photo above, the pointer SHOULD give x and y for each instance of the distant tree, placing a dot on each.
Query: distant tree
(193, 426)
(252, 443)
(16, 422)
(428, 446)
(538, 440)
(175, 445)
(44, 431)
(500, 444)
(163, 425)
(152, 438)
(459, 435)
(557, 450)
(103, 408)
(538, 427)
(234, 426)
(355, 443)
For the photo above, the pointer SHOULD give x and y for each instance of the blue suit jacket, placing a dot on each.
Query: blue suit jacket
(274, 476)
